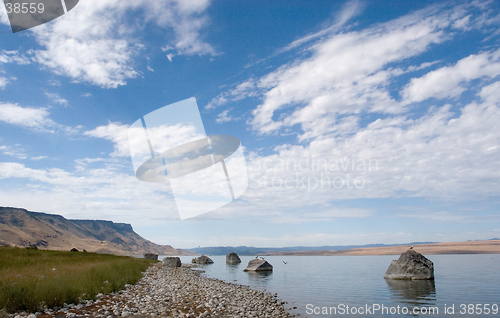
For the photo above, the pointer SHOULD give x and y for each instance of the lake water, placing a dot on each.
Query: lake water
(465, 283)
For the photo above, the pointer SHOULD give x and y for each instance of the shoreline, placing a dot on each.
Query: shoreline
(447, 248)
(175, 292)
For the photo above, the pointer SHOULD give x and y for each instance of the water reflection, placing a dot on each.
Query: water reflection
(413, 292)
(232, 272)
(259, 278)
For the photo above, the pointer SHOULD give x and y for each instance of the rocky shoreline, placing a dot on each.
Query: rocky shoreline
(176, 292)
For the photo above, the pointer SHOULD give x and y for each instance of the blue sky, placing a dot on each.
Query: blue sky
(362, 122)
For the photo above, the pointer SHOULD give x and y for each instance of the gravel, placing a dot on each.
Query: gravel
(175, 292)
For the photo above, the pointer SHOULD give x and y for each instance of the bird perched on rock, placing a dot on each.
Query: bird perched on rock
(411, 247)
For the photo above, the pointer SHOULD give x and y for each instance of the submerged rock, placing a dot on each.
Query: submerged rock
(172, 262)
(411, 265)
(203, 259)
(151, 256)
(258, 265)
(232, 258)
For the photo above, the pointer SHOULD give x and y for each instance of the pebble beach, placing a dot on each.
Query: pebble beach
(176, 292)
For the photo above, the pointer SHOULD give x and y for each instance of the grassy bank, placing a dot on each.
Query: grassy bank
(32, 279)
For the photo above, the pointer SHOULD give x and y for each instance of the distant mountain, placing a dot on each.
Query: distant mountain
(250, 250)
(19, 227)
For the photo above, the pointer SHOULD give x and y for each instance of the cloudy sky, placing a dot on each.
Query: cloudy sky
(362, 122)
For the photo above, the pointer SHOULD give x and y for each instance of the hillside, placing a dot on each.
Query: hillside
(250, 250)
(19, 227)
(469, 247)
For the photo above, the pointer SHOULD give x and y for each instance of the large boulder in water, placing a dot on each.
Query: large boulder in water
(172, 262)
(232, 258)
(258, 265)
(203, 259)
(411, 265)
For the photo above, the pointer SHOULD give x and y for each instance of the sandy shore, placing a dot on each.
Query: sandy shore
(176, 292)
(469, 247)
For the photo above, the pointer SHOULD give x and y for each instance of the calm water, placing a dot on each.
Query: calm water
(357, 281)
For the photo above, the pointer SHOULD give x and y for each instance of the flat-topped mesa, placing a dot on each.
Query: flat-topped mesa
(172, 262)
(203, 259)
(411, 265)
(232, 258)
(258, 265)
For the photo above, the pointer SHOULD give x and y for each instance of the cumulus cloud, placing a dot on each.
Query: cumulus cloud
(116, 133)
(366, 143)
(35, 118)
(95, 42)
(90, 193)
(451, 81)
(346, 73)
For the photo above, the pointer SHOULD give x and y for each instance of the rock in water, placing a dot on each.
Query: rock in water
(203, 259)
(172, 262)
(232, 258)
(258, 265)
(151, 256)
(410, 265)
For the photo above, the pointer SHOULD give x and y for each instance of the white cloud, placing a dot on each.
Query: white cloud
(3, 82)
(35, 118)
(4, 18)
(223, 117)
(16, 151)
(451, 81)
(56, 98)
(116, 133)
(13, 57)
(89, 193)
(95, 43)
(164, 137)
(340, 96)
(38, 158)
(349, 11)
(346, 73)
(243, 90)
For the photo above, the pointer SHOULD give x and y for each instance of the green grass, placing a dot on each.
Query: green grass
(32, 279)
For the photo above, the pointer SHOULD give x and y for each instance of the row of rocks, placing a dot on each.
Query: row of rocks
(233, 258)
(411, 265)
(177, 292)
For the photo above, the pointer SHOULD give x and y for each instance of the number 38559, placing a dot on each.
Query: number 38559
(24, 7)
